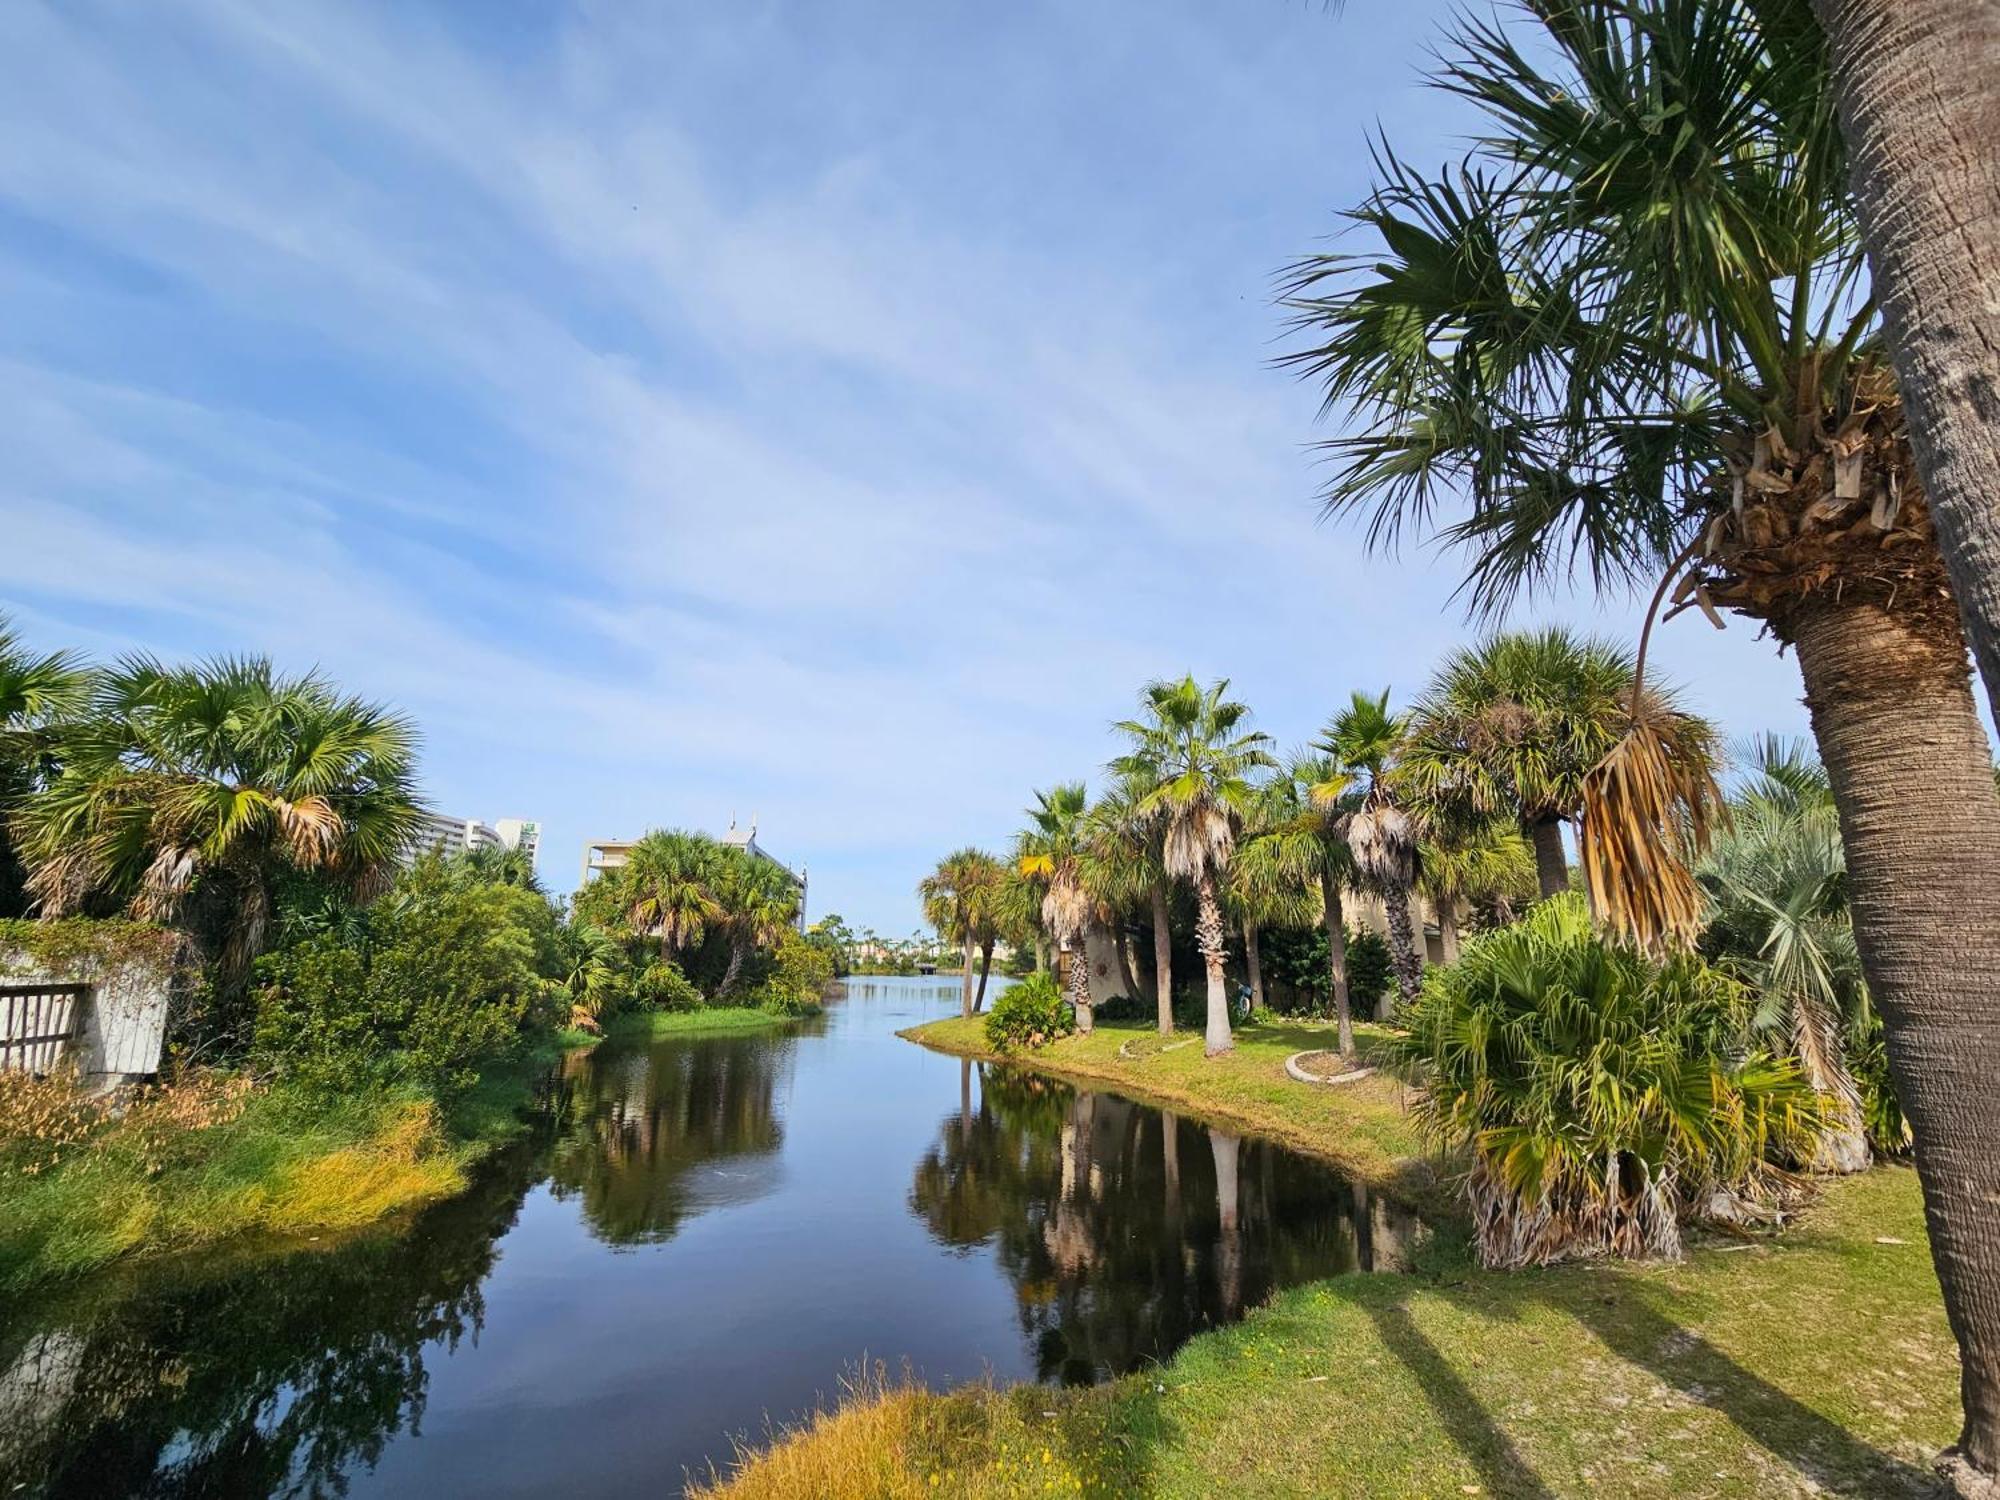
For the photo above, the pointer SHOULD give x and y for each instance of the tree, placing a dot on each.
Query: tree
(667, 886)
(1314, 803)
(1647, 351)
(185, 793)
(1193, 753)
(37, 693)
(1266, 886)
(1382, 834)
(1914, 79)
(1125, 864)
(758, 903)
(960, 899)
(1486, 864)
(1050, 853)
(1516, 723)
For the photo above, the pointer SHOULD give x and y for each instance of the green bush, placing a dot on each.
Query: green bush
(662, 986)
(447, 976)
(1028, 1014)
(1295, 970)
(796, 976)
(1602, 1097)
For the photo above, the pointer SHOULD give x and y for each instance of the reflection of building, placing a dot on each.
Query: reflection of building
(600, 855)
(438, 834)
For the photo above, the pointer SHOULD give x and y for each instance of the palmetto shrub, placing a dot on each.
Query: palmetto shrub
(1603, 1098)
(1028, 1014)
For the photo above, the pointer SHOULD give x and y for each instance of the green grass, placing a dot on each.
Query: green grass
(1818, 1362)
(693, 1022)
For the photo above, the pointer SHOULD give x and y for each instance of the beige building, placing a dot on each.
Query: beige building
(601, 855)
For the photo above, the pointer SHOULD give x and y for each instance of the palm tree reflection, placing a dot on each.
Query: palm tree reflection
(1121, 1236)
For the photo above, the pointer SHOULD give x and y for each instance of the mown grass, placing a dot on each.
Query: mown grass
(1819, 1362)
(1362, 1127)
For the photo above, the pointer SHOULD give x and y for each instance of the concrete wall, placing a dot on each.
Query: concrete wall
(124, 1020)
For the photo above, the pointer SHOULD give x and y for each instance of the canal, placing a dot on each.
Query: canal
(706, 1235)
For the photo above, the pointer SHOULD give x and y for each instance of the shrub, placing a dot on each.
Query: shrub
(1125, 1008)
(1603, 1097)
(1028, 1014)
(797, 974)
(1295, 958)
(662, 986)
(448, 976)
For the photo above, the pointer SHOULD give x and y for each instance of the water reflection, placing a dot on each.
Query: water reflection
(652, 1134)
(242, 1382)
(1125, 1230)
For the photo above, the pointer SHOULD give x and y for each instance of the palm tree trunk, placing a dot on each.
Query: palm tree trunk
(738, 951)
(965, 981)
(1447, 910)
(1336, 961)
(1912, 775)
(1122, 941)
(1208, 937)
(1915, 80)
(1041, 954)
(1402, 946)
(1551, 860)
(985, 969)
(1163, 959)
(1076, 986)
(1253, 960)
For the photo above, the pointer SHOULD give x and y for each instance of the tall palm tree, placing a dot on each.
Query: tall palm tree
(1193, 752)
(187, 792)
(758, 903)
(668, 887)
(1642, 350)
(1125, 862)
(1050, 851)
(1516, 723)
(1915, 83)
(961, 900)
(37, 693)
(1383, 833)
(1314, 802)
(1266, 886)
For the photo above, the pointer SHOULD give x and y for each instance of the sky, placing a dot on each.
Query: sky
(830, 413)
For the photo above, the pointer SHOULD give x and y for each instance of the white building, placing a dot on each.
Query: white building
(438, 834)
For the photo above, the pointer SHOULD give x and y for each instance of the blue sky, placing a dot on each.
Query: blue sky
(825, 411)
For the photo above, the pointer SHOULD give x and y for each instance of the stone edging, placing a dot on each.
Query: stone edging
(1292, 1069)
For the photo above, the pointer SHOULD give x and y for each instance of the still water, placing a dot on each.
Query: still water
(708, 1235)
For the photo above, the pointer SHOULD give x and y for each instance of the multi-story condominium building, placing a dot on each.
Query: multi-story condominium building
(439, 834)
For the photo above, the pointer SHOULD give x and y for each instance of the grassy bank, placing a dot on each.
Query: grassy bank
(1815, 1363)
(204, 1163)
(1359, 1126)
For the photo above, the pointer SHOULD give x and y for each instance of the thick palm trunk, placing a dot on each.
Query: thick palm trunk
(1912, 775)
(1551, 859)
(1076, 986)
(1041, 954)
(1402, 945)
(1208, 937)
(1921, 114)
(985, 971)
(1122, 941)
(739, 950)
(1253, 960)
(965, 982)
(1336, 961)
(1163, 959)
(1448, 929)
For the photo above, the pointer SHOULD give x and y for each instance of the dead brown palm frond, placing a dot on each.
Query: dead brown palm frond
(1651, 808)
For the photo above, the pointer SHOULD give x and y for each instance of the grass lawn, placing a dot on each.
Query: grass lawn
(1815, 1363)
(690, 1022)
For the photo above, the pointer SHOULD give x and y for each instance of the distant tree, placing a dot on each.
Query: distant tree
(1383, 835)
(961, 899)
(1050, 853)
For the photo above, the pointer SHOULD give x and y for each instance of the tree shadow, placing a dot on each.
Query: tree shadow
(1782, 1425)
(1475, 1434)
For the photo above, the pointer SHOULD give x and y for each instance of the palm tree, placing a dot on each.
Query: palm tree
(1516, 723)
(668, 887)
(37, 693)
(1382, 833)
(960, 899)
(1267, 885)
(1653, 352)
(593, 972)
(1914, 79)
(1311, 805)
(1776, 884)
(1124, 862)
(1192, 751)
(1050, 853)
(185, 793)
(1486, 863)
(758, 902)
